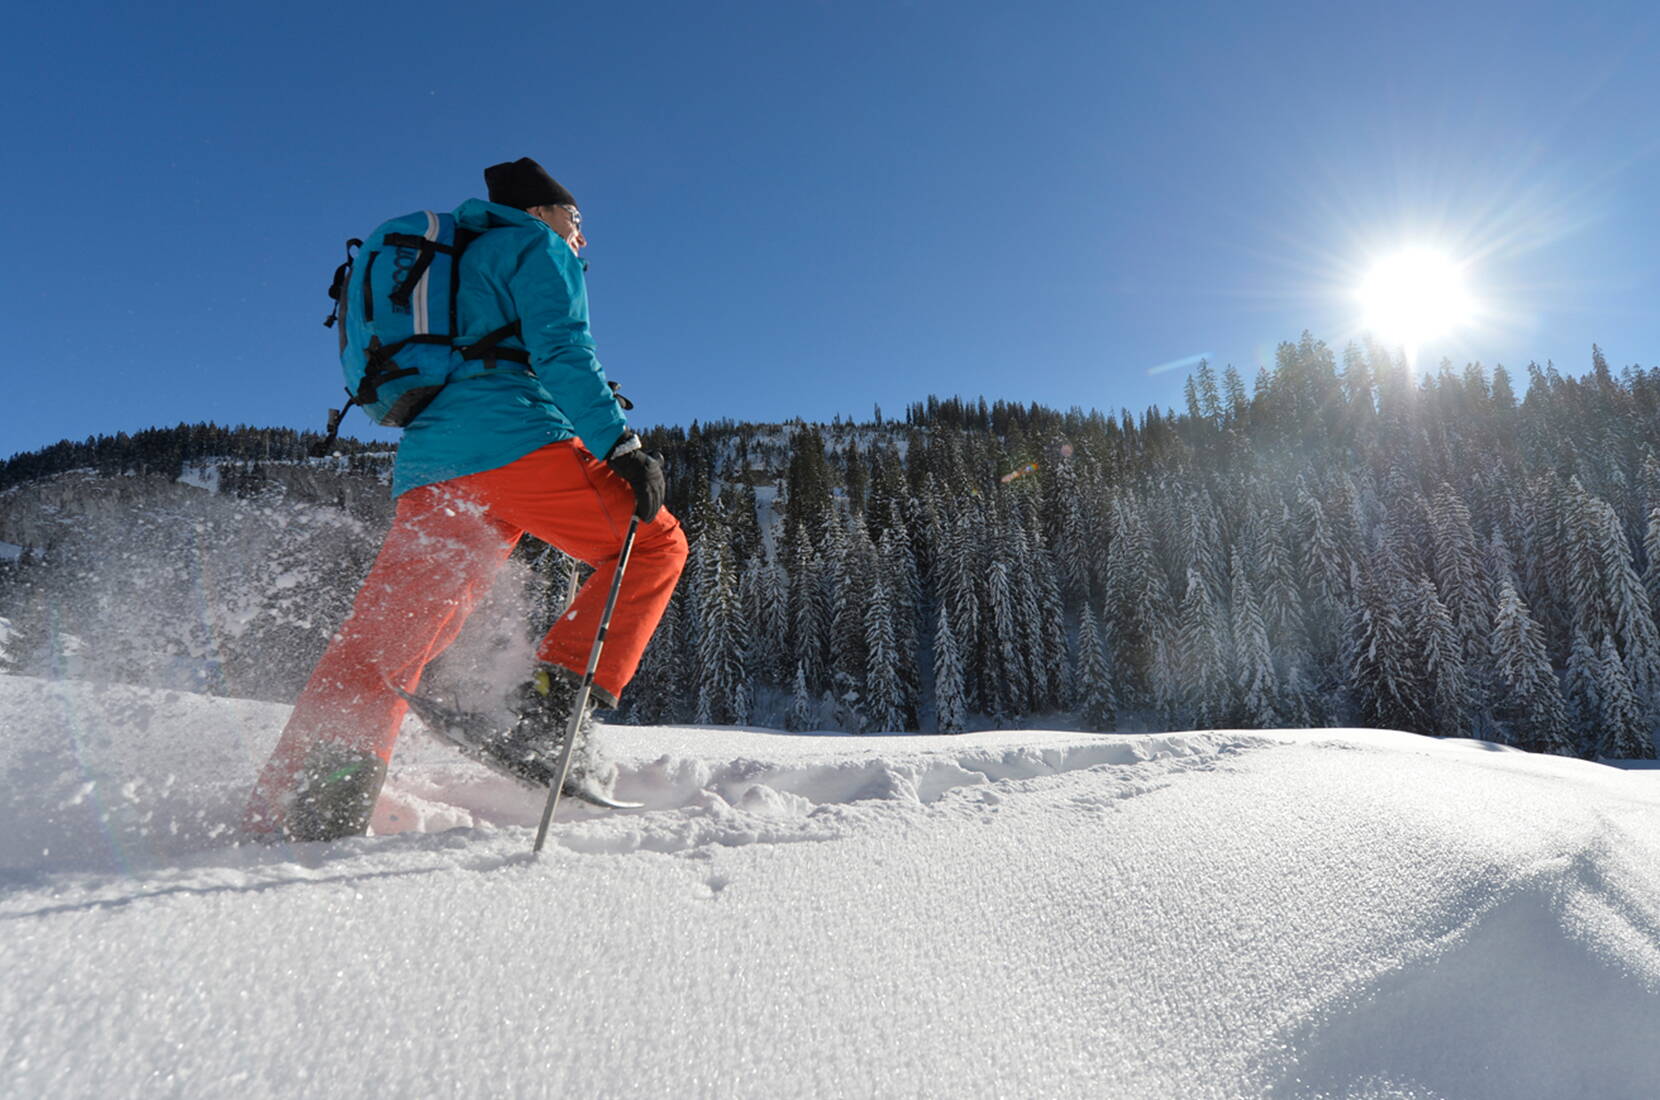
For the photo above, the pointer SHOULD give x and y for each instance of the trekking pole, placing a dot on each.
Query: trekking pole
(584, 688)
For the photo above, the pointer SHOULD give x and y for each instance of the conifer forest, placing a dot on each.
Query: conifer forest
(1343, 542)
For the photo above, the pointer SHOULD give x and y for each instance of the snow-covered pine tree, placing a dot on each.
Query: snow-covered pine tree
(1052, 619)
(1203, 548)
(1025, 564)
(1383, 678)
(1582, 694)
(1459, 574)
(898, 562)
(773, 621)
(1589, 610)
(957, 584)
(759, 645)
(710, 638)
(854, 583)
(1325, 577)
(658, 692)
(1099, 709)
(885, 702)
(800, 715)
(1529, 702)
(855, 480)
(809, 622)
(1203, 662)
(1631, 613)
(1625, 727)
(1501, 565)
(1009, 669)
(1544, 571)
(707, 537)
(1137, 604)
(724, 690)
(1440, 645)
(950, 703)
(740, 684)
(1407, 528)
(1255, 684)
(1074, 542)
(1276, 588)
(1651, 554)
(1648, 483)
(739, 515)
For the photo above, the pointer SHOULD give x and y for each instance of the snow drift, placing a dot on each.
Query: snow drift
(1216, 913)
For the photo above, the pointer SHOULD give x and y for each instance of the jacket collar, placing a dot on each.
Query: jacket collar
(479, 215)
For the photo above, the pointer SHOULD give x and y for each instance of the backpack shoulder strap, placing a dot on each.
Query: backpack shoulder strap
(426, 247)
(487, 347)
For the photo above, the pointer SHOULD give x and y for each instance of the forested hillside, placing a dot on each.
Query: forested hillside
(169, 450)
(1337, 544)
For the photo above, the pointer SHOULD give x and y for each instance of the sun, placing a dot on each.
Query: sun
(1414, 296)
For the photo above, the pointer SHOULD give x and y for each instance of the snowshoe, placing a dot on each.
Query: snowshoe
(528, 753)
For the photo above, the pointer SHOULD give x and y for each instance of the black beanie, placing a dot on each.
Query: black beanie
(524, 183)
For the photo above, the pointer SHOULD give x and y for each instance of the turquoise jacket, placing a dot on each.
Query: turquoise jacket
(518, 270)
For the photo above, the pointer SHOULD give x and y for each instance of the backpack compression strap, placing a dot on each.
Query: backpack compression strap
(380, 368)
(428, 249)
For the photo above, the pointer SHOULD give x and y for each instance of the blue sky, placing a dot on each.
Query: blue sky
(803, 209)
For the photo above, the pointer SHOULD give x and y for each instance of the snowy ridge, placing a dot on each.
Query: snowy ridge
(1205, 914)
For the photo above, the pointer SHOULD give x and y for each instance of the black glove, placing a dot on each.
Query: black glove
(643, 472)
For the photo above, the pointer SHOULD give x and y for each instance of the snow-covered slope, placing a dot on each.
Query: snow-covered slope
(1352, 913)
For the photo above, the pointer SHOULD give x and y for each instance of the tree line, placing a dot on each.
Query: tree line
(1342, 542)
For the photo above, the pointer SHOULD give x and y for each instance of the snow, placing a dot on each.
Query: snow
(202, 475)
(10, 551)
(1213, 913)
(769, 518)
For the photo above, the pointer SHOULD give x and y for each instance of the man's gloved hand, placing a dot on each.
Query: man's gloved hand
(643, 472)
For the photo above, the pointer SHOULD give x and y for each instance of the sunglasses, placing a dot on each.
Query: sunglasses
(576, 215)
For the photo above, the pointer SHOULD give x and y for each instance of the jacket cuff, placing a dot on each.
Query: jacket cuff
(602, 440)
(628, 444)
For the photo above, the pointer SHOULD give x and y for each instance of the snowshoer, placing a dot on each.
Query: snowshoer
(497, 454)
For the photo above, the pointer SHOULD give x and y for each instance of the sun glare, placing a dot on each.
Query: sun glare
(1414, 296)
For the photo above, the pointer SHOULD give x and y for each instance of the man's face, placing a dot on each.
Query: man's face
(563, 220)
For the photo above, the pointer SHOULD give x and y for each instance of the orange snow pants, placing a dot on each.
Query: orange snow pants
(446, 544)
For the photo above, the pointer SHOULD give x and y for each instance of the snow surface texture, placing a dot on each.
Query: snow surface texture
(1289, 914)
